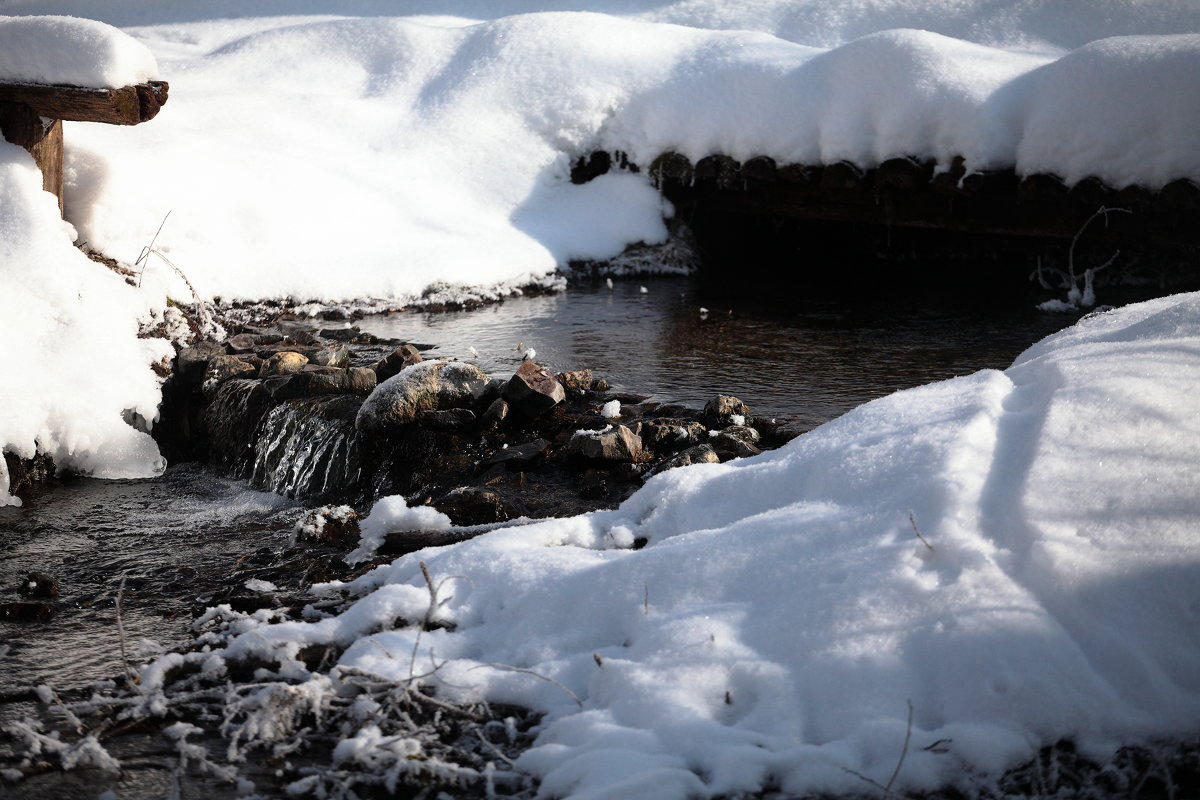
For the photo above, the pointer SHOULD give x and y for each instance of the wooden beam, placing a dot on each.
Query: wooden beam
(128, 105)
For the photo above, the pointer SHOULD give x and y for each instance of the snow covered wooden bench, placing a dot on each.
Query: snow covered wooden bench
(31, 115)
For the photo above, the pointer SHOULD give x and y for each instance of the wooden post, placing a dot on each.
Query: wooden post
(31, 116)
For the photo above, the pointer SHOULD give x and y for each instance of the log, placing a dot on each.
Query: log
(128, 105)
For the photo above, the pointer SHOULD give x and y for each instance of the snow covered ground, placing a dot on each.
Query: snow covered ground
(785, 610)
(1013, 553)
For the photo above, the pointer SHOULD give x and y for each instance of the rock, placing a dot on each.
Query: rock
(332, 356)
(496, 413)
(356, 380)
(600, 385)
(334, 525)
(576, 383)
(721, 410)
(473, 505)
(340, 334)
(361, 380)
(700, 454)
(192, 361)
(220, 369)
(27, 611)
(283, 363)
(287, 387)
(391, 364)
(608, 444)
(424, 386)
(450, 419)
(38, 586)
(517, 456)
(532, 390)
(267, 352)
(593, 485)
(671, 435)
(241, 343)
(733, 442)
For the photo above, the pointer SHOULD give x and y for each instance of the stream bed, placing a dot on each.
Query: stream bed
(165, 546)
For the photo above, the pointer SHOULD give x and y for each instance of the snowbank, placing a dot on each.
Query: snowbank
(341, 157)
(73, 363)
(786, 610)
(74, 52)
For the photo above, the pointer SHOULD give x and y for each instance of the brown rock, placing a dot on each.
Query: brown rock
(220, 369)
(403, 356)
(576, 383)
(609, 444)
(496, 413)
(39, 586)
(719, 412)
(428, 385)
(283, 363)
(700, 454)
(532, 390)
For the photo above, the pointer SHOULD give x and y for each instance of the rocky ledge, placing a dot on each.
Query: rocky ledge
(338, 416)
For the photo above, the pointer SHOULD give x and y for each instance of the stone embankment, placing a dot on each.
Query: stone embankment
(340, 416)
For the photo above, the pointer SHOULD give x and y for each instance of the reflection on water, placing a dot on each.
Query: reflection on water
(809, 360)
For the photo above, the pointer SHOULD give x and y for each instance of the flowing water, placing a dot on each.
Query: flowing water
(171, 540)
(812, 359)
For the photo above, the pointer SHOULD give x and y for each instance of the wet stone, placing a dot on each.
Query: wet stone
(450, 419)
(671, 435)
(241, 343)
(288, 387)
(424, 386)
(283, 363)
(38, 586)
(403, 356)
(576, 383)
(192, 361)
(473, 505)
(610, 444)
(721, 410)
(27, 611)
(532, 390)
(496, 413)
(700, 454)
(222, 368)
(334, 356)
(517, 456)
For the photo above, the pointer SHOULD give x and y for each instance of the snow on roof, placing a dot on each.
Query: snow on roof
(73, 52)
(1012, 552)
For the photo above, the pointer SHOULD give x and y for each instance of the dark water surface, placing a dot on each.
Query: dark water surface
(784, 356)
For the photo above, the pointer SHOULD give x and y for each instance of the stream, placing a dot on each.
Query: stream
(164, 546)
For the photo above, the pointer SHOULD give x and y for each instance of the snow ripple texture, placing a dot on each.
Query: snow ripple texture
(1015, 553)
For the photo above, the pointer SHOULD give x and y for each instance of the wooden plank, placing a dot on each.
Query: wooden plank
(128, 105)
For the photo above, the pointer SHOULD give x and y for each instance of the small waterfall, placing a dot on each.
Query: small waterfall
(233, 422)
(309, 449)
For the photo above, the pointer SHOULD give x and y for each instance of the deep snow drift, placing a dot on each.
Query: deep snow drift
(73, 363)
(786, 610)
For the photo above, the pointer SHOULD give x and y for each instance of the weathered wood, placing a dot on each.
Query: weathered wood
(128, 105)
(22, 126)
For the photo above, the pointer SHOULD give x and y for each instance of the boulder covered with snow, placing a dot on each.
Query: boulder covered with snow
(428, 385)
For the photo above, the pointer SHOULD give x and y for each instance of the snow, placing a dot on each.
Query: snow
(74, 52)
(1013, 553)
(436, 147)
(74, 365)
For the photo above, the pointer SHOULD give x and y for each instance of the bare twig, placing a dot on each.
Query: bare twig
(913, 519)
(903, 750)
(523, 671)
